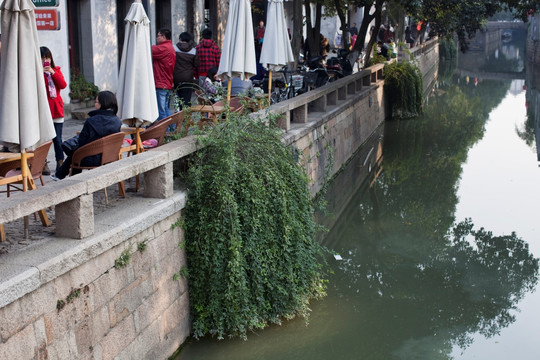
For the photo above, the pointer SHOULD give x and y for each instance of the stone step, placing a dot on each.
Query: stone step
(81, 114)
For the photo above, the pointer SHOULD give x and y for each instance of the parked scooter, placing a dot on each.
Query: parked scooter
(340, 65)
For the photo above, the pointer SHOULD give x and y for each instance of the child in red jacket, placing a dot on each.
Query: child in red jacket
(54, 82)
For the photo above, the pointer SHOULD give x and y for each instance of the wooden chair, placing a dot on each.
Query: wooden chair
(201, 100)
(109, 149)
(159, 130)
(11, 174)
(36, 164)
(236, 103)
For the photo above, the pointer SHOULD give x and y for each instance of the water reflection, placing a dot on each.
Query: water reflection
(530, 132)
(429, 288)
(414, 282)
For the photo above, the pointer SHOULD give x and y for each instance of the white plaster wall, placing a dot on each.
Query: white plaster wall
(57, 42)
(198, 21)
(105, 44)
(179, 19)
(152, 17)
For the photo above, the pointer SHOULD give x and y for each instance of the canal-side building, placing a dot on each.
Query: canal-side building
(88, 35)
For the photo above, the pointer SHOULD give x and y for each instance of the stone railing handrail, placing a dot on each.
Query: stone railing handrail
(296, 109)
(73, 196)
(420, 49)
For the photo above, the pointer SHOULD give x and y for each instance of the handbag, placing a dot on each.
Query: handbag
(70, 145)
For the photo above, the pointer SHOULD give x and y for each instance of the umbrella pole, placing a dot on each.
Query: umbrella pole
(229, 83)
(137, 151)
(269, 86)
(24, 173)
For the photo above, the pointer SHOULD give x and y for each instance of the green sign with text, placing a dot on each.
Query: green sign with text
(40, 3)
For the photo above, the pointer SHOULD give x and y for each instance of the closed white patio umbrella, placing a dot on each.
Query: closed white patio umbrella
(25, 116)
(137, 103)
(276, 49)
(238, 53)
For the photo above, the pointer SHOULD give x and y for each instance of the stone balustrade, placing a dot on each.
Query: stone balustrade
(299, 109)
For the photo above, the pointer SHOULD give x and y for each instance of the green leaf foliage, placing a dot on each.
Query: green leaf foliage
(252, 255)
(403, 87)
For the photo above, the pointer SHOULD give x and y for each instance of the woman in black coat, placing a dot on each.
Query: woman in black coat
(102, 122)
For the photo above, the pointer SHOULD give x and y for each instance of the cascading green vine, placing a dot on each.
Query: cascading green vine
(250, 232)
(403, 88)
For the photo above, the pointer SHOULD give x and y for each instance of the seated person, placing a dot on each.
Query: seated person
(212, 85)
(383, 50)
(102, 122)
(239, 86)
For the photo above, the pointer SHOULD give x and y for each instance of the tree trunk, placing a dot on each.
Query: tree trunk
(313, 31)
(362, 33)
(378, 20)
(297, 35)
(344, 27)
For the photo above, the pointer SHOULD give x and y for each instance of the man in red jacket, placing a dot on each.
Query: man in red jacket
(163, 59)
(209, 55)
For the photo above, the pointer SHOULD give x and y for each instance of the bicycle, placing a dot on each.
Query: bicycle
(286, 87)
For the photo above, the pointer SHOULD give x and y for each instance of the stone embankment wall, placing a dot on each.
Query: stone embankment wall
(84, 299)
(118, 292)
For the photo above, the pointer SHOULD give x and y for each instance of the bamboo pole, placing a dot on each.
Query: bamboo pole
(269, 86)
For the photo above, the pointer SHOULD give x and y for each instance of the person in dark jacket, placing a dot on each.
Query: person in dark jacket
(184, 68)
(102, 122)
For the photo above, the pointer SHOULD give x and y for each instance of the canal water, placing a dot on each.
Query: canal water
(436, 251)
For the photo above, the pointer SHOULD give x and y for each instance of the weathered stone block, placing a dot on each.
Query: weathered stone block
(108, 285)
(174, 315)
(167, 267)
(26, 310)
(139, 348)
(75, 218)
(158, 182)
(21, 346)
(17, 281)
(118, 338)
(127, 300)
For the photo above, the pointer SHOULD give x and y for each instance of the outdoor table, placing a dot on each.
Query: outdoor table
(210, 112)
(137, 147)
(25, 177)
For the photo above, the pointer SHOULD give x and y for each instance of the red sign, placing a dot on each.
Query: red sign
(47, 19)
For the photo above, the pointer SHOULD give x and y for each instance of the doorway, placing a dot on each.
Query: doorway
(80, 38)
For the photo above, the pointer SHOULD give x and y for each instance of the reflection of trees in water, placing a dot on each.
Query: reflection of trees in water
(527, 131)
(447, 68)
(434, 287)
(434, 293)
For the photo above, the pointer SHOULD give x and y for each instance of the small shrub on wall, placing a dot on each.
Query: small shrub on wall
(249, 229)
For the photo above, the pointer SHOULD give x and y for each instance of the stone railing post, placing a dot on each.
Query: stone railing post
(158, 182)
(75, 218)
